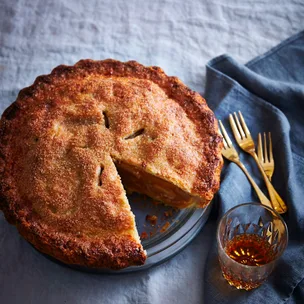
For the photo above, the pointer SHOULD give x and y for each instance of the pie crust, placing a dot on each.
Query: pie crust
(65, 139)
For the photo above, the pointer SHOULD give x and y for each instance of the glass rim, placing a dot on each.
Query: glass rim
(258, 205)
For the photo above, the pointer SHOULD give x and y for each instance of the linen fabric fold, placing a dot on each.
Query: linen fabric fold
(269, 91)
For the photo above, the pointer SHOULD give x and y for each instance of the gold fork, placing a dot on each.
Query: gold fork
(266, 159)
(231, 154)
(245, 141)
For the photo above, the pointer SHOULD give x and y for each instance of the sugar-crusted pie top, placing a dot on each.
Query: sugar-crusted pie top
(60, 142)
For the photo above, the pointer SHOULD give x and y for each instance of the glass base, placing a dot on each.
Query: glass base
(240, 284)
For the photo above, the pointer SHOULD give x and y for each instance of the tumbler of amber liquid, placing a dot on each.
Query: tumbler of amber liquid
(251, 237)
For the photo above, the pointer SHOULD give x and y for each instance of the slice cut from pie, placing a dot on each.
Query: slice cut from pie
(73, 141)
(135, 179)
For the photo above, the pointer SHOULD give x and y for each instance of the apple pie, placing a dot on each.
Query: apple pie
(78, 138)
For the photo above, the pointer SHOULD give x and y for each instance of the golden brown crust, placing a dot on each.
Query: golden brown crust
(113, 252)
(59, 184)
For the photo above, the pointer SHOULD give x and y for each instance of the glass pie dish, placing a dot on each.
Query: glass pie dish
(162, 237)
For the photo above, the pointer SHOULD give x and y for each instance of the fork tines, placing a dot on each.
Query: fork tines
(239, 127)
(226, 139)
(262, 151)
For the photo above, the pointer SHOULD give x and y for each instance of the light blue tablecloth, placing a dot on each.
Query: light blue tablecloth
(181, 37)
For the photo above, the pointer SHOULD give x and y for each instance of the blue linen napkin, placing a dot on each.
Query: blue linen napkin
(269, 91)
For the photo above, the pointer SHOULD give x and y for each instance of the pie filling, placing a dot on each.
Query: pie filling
(137, 180)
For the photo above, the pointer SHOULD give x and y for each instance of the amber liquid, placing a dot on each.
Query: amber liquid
(251, 250)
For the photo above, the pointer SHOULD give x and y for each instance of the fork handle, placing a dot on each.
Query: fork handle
(264, 200)
(275, 198)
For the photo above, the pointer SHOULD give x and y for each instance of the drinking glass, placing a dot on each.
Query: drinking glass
(251, 237)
